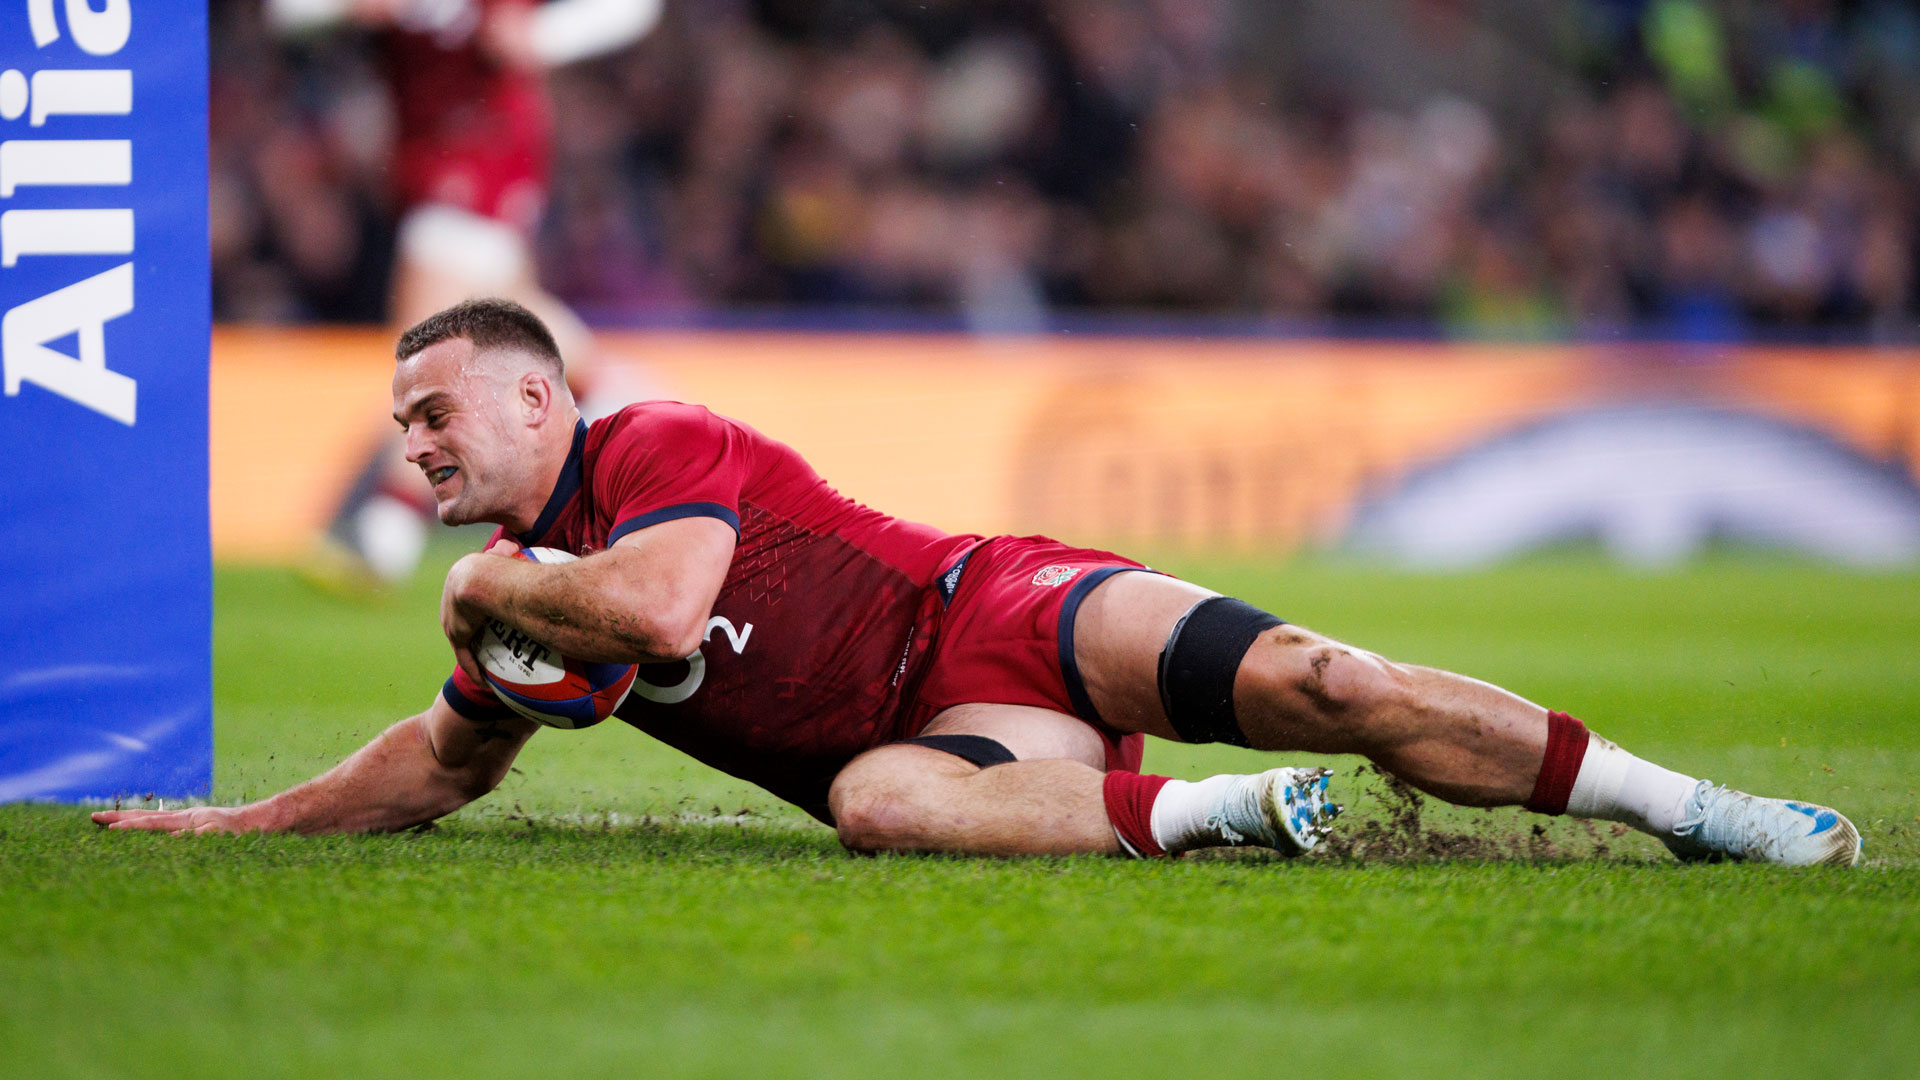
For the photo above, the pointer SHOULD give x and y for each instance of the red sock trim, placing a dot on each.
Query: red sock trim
(1130, 808)
(1566, 749)
(412, 492)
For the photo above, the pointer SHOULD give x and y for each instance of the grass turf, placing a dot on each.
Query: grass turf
(618, 910)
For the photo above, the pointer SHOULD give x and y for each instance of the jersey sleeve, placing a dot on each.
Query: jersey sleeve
(667, 461)
(475, 701)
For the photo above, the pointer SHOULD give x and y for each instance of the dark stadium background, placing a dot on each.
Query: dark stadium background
(1506, 169)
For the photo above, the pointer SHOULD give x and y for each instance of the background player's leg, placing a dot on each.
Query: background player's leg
(378, 531)
(445, 256)
(914, 798)
(422, 286)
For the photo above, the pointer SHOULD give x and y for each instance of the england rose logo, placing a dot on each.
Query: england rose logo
(1055, 575)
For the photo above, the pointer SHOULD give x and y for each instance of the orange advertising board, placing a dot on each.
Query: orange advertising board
(1174, 442)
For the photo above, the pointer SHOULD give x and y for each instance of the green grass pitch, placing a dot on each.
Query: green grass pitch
(616, 910)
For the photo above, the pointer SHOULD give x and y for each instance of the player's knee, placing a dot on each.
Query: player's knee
(871, 811)
(1352, 684)
(876, 821)
(1335, 682)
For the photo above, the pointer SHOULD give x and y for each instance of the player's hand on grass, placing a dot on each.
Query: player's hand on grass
(191, 821)
(460, 619)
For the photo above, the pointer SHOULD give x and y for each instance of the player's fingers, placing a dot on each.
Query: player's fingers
(463, 656)
(145, 821)
(126, 819)
(459, 633)
(503, 546)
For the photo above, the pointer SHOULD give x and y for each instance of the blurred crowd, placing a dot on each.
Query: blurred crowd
(1495, 168)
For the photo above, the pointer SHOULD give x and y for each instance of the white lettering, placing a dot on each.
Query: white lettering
(102, 33)
(40, 16)
(64, 232)
(83, 308)
(680, 691)
(80, 310)
(736, 638)
(65, 162)
(81, 93)
(13, 94)
(696, 664)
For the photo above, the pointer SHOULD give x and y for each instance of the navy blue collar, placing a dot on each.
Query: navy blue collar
(564, 489)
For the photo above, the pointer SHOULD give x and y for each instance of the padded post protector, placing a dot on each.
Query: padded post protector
(978, 749)
(1198, 665)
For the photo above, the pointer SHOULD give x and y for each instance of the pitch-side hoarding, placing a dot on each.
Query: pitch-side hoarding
(105, 590)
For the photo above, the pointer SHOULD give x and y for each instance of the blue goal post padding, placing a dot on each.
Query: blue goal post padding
(106, 591)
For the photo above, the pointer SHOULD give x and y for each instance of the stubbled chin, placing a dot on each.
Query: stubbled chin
(448, 507)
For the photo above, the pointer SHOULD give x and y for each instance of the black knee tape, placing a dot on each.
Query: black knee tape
(978, 749)
(1199, 663)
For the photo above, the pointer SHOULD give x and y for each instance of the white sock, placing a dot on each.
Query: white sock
(1616, 786)
(391, 536)
(1198, 813)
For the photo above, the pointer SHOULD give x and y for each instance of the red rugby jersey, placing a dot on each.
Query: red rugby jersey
(472, 132)
(821, 629)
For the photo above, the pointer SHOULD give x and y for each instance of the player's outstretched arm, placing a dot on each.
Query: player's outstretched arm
(421, 768)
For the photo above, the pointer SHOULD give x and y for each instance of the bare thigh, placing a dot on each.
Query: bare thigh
(905, 797)
(1121, 629)
(1030, 734)
(421, 289)
(1284, 694)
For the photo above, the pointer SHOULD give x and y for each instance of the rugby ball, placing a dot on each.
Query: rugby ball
(539, 683)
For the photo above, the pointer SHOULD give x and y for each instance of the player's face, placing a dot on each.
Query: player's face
(466, 431)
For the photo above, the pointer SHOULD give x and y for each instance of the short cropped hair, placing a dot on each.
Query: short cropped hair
(490, 323)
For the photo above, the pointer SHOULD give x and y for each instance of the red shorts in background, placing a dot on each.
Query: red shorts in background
(1006, 637)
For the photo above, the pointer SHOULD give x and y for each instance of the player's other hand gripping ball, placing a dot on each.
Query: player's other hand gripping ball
(539, 683)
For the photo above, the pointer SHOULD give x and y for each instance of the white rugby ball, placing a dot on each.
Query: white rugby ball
(538, 682)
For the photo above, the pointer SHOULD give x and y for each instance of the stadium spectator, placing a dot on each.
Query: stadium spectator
(1573, 167)
(917, 690)
(468, 176)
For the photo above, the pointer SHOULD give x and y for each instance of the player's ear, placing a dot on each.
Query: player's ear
(536, 396)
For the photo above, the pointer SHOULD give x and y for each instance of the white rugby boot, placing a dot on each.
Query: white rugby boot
(1720, 822)
(1290, 812)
